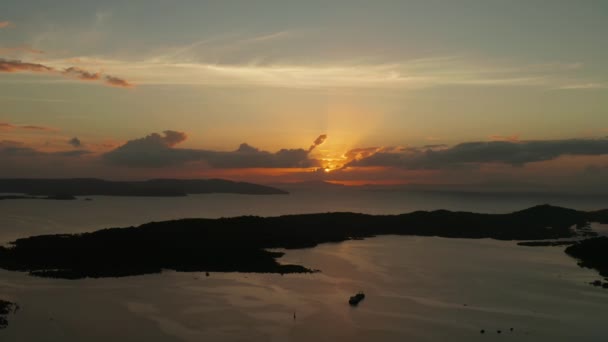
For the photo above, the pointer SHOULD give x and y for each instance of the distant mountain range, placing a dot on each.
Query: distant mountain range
(153, 187)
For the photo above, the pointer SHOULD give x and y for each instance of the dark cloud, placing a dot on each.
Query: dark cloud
(6, 125)
(75, 142)
(156, 150)
(10, 149)
(71, 72)
(81, 74)
(507, 152)
(320, 139)
(117, 82)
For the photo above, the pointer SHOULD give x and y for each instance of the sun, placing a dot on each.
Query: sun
(331, 160)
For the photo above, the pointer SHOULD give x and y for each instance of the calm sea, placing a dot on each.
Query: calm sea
(418, 289)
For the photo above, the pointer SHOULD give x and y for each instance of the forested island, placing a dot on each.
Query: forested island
(241, 244)
(58, 188)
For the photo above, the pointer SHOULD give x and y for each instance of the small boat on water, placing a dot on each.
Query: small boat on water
(354, 300)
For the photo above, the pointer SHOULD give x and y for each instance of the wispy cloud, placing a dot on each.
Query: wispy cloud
(70, 72)
(16, 66)
(583, 86)
(81, 74)
(5, 24)
(117, 82)
(409, 74)
(249, 60)
(6, 125)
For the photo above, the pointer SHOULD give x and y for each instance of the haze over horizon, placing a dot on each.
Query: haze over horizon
(389, 92)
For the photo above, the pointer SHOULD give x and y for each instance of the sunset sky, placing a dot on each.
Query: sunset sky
(388, 92)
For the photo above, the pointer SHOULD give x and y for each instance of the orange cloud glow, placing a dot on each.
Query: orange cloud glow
(510, 138)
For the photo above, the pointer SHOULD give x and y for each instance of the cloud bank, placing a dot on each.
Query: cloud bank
(158, 150)
(15, 149)
(514, 153)
(579, 164)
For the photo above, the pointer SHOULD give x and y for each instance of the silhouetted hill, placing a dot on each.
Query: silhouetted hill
(600, 216)
(154, 187)
(240, 243)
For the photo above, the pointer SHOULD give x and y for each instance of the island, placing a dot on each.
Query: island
(70, 187)
(246, 243)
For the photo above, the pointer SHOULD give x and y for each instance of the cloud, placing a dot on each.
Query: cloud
(16, 66)
(11, 149)
(575, 86)
(37, 128)
(75, 142)
(117, 82)
(317, 142)
(515, 153)
(157, 150)
(6, 24)
(511, 138)
(71, 72)
(6, 125)
(81, 74)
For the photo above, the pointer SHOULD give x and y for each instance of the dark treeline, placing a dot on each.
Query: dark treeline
(240, 243)
(592, 253)
(153, 187)
(6, 308)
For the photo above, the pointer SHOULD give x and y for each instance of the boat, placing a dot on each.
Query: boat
(354, 300)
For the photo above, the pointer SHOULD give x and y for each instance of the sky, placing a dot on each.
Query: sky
(503, 93)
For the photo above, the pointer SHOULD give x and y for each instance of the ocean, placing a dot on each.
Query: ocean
(417, 288)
